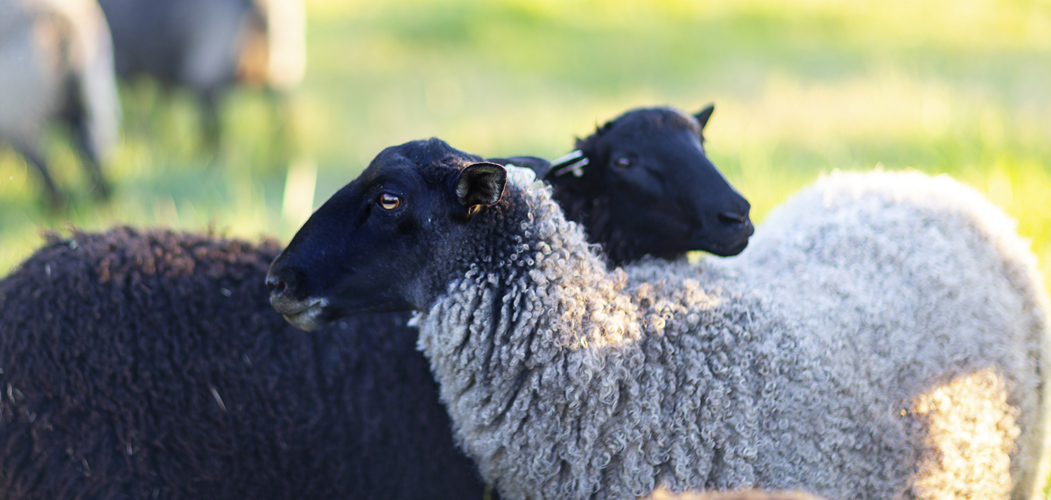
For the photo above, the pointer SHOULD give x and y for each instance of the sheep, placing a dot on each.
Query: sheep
(208, 46)
(142, 364)
(146, 364)
(56, 65)
(638, 147)
(885, 340)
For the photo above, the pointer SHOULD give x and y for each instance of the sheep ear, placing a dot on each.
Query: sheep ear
(703, 115)
(480, 184)
(538, 165)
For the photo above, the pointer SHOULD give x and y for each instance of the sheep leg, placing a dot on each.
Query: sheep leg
(100, 189)
(210, 124)
(55, 199)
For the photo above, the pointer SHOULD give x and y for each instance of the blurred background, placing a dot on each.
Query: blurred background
(801, 88)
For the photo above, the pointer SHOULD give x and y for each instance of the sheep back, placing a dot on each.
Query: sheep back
(968, 297)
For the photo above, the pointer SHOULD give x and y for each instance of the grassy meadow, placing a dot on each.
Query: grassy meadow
(801, 88)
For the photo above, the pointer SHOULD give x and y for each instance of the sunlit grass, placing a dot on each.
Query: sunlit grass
(801, 87)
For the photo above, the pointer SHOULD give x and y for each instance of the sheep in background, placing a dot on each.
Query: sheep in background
(888, 342)
(56, 64)
(208, 46)
(149, 363)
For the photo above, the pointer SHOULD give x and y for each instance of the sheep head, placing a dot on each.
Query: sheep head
(651, 158)
(390, 239)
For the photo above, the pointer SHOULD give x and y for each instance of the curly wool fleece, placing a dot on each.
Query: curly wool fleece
(818, 370)
(913, 255)
(139, 364)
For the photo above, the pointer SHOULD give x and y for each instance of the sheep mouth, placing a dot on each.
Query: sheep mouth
(724, 249)
(305, 315)
(727, 244)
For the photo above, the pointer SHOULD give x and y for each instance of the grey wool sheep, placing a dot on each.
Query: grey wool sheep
(56, 65)
(886, 342)
(149, 364)
(966, 297)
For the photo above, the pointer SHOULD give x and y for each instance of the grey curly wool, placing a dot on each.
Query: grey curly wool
(949, 278)
(883, 339)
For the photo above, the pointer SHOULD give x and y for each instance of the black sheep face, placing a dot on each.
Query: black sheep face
(648, 188)
(386, 241)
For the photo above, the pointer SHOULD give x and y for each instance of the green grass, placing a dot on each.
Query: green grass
(801, 88)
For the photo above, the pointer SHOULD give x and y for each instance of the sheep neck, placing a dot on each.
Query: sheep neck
(592, 209)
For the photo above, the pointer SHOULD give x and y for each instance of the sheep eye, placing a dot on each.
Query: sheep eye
(389, 201)
(622, 163)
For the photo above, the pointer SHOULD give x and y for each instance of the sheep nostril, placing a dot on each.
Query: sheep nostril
(732, 219)
(276, 285)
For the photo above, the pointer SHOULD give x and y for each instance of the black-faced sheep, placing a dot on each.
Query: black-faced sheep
(635, 149)
(207, 46)
(150, 363)
(56, 65)
(886, 341)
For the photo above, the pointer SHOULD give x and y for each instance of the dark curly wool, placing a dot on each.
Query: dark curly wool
(148, 364)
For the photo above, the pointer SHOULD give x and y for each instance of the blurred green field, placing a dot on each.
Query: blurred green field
(801, 88)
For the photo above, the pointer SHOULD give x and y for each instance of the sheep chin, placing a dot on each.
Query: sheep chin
(308, 318)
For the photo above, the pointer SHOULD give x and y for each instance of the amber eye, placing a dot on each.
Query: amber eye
(622, 163)
(389, 201)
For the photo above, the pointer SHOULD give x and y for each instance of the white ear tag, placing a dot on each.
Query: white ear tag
(573, 163)
(521, 176)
